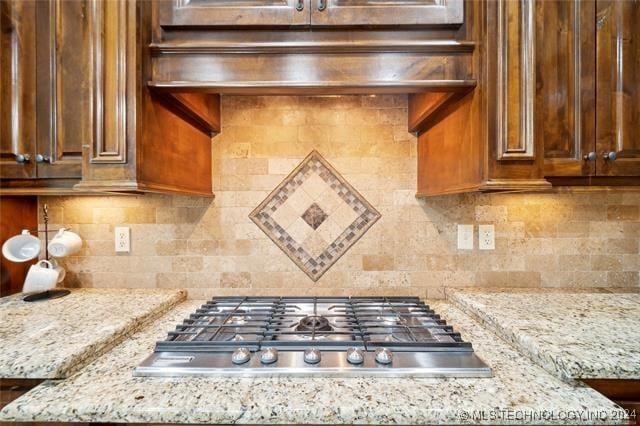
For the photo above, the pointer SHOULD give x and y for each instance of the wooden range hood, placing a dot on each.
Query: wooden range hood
(437, 71)
(313, 67)
(267, 58)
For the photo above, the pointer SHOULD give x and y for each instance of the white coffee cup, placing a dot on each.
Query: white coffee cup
(21, 248)
(41, 277)
(65, 243)
(59, 269)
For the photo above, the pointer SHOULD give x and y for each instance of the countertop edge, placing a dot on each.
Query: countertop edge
(95, 350)
(565, 370)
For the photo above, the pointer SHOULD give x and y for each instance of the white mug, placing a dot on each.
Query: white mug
(41, 277)
(65, 243)
(59, 270)
(22, 247)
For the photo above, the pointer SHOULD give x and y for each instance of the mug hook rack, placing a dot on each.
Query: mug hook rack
(46, 230)
(49, 294)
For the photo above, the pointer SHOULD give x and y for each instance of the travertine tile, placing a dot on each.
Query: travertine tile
(508, 278)
(622, 245)
(186, 264)
(606, 263)
(210, 246)
(622, 279)
(235, 280)
(377, 263)
(623, 212)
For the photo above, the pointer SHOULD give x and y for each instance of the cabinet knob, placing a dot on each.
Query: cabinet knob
(42, 158)
(300, 5)
(610, 156)
(322, 5)
(590, 156)
(22, 158)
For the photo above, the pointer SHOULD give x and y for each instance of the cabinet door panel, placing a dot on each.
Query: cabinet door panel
(18, 88)
(618, 87)
(233, 12)
(386, 12)
(565, 85)
(64, 82)
(515, 74)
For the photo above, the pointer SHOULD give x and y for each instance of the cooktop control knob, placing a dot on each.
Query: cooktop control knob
(355, 356)
(240, 356)
(312, 355)
(269, 355)
(384, 356)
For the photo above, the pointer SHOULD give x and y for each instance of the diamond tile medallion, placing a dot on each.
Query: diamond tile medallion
(314, 215)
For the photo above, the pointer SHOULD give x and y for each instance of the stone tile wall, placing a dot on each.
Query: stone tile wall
(210, 246)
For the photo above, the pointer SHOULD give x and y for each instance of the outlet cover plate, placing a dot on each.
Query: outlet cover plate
(465, 237)
(486, 237)
(122, 239)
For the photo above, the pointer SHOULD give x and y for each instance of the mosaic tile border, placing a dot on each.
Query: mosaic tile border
(314, 267)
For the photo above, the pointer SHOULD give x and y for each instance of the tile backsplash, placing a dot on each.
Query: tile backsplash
(211, 246)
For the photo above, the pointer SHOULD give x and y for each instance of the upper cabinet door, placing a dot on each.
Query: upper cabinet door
(565, 86)
(618, 88)
(17, 89)
(387, 12)
(64, 95)
(223, 13)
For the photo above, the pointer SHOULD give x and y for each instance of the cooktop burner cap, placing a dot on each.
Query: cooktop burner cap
(314, 323)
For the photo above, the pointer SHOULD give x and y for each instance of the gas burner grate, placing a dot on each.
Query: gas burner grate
(328, 323)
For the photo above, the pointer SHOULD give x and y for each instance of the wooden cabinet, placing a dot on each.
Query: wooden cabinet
(63, 103)
(17, 89)
(386, 12)
(588, 88)
(76, 112)
(565, 85)
(45, 101)
(618, 88)
(292, 13)
(560, 100)
(487, 141)
(224, 13)
(140, 141)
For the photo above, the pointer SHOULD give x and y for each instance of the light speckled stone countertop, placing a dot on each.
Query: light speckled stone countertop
(55, 338)
(574, 335)
(520, 392)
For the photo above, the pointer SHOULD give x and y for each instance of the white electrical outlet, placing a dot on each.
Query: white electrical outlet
(486, 237)
(123, 239)
(465, 237)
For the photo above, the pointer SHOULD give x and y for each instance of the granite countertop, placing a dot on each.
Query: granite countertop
(55, 338)
(520, 392)
(573, 335)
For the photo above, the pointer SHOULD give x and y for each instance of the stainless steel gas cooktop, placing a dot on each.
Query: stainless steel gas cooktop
(320, 336)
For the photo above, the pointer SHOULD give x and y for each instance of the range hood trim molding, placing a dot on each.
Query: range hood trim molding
(319, 87)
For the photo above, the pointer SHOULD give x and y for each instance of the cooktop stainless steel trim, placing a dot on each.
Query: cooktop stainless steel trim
(309, 336)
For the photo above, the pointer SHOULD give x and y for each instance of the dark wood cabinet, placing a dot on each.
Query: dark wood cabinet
(139, 141)
(487, 141)
(506, 95)
(565, 85)
(45, 101)
(386, 12)
(617, 143)
(17, 89)
(63, 98)
(588, 88)
(292, 13)
(76, 113)
(562, 96)
(225, 13)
